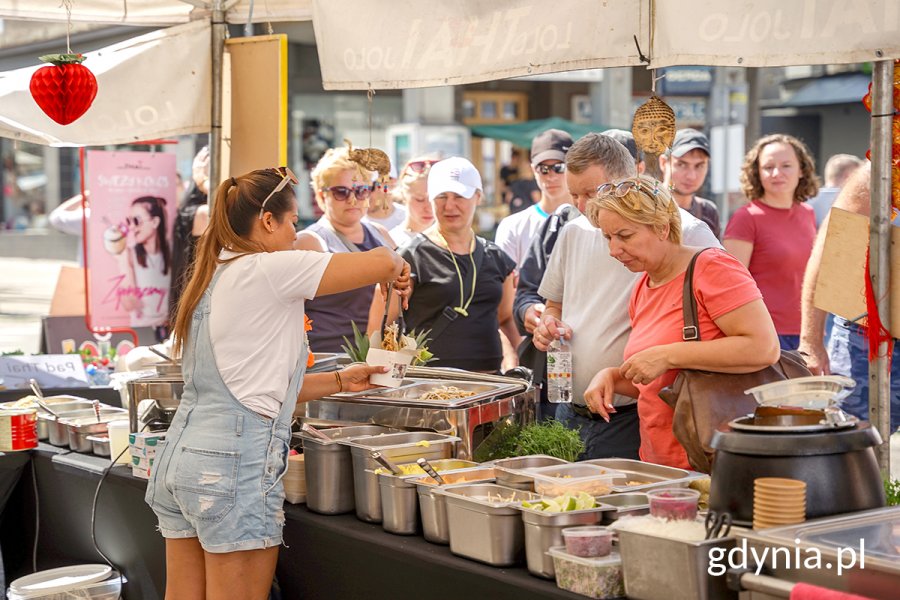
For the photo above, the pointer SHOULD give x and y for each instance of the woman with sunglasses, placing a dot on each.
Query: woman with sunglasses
(146, 263)
(463, 283)
(642, 225)
(342, 189)
(412, 191)
(773, 235)
(216, 482)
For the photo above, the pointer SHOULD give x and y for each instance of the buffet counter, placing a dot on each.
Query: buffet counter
(325, 557)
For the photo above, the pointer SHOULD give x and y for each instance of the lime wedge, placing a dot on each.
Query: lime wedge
(571, 503)
(552, 506)
(585, 501)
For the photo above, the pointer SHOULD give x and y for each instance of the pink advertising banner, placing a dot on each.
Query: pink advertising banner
(133, 197)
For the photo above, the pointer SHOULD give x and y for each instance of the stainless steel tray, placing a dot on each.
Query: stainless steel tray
(411, 391)
(624, 505)
(511, 472)
(640, 476)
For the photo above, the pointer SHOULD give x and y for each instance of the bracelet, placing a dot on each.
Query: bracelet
(337, 376)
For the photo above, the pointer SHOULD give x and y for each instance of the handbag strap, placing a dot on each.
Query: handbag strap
(691, 330)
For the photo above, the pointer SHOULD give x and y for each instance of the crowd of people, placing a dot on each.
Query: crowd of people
(597, 256)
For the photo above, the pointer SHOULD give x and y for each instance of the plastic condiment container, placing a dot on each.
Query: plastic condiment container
(118, 441)
(674, 503)
(591, 577)
(572, 478)
(589, 541)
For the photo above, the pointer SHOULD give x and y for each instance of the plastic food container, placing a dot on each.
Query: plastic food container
(94, 582)
(674, 503)
(572, 478)
(816, 392)
(591, 541)
(591, 577)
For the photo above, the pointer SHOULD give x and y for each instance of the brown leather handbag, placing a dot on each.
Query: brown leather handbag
(704, 400)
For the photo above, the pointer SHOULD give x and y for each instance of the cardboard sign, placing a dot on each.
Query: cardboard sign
(49, 370)
(841, 286)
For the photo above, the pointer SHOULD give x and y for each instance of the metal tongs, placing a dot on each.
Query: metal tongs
(39, 397)
(718, 524)
(387, 464)
(387, 308)
(96, 405)
(426, 466)
(313, 432)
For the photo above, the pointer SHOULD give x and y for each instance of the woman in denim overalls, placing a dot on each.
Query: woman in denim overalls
(216, 484)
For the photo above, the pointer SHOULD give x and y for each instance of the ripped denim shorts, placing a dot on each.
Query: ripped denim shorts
(224, 489)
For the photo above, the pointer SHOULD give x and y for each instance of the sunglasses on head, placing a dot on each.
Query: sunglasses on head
(620, 189)
(420, 166)
(558, 168)
(342, 193)
(287, 176)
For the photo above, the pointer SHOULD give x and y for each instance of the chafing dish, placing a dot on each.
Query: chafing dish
(68, 405)
(511, 471)
(838, 542)
(640, 476)
(329, 468)
(484, 522)
(544, 529)
(472, 418)
(79, 430)
(397, 447)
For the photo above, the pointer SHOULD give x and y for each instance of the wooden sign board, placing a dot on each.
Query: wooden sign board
(255, 118)
(841, 286)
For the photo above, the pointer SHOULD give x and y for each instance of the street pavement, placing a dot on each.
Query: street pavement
(26, 289)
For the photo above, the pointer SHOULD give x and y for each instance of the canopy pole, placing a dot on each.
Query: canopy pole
(218, 31)
(880, 250)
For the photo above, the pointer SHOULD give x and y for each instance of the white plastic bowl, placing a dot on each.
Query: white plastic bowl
(94, 582)
(816, 392)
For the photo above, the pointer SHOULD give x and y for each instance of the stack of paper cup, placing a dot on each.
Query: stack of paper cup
(778, 501)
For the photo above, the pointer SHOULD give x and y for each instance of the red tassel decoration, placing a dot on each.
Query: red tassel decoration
(875, 330)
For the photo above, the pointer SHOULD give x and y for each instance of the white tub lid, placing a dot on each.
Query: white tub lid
(57, 580)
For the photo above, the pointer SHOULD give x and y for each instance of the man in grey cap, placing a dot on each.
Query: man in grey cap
(685, 173)
(548, 155)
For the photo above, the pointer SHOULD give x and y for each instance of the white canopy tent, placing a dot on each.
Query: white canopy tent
(378, 44)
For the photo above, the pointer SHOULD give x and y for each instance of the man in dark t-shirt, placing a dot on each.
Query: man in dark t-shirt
(685, 173)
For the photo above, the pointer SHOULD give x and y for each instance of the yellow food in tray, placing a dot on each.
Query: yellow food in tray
(446, 392)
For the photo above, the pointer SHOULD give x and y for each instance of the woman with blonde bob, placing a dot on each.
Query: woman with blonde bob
(216, 482)
(641, 221)
(342, 190)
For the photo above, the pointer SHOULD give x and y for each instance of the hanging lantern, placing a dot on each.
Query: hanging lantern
(65, 88)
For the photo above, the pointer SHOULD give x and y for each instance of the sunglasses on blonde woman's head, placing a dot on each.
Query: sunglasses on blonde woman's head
(558, 168)
(620, 189)
(419, 166)
(342, 193)
(287, 176)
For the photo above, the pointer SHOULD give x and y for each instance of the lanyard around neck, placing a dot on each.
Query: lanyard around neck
(462, 308)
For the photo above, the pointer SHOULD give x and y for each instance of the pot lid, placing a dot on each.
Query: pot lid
(860, 437)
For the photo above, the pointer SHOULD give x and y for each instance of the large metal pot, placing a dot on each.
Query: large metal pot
(839, 467)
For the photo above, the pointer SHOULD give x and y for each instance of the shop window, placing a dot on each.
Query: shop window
(488, 109)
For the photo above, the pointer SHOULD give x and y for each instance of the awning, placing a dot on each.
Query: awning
(521, 134)
(846, 88)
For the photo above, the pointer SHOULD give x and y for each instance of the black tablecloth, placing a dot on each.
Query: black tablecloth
(333, 557)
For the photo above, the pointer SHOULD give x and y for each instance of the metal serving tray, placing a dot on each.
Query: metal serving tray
(544, 530)
(648, 474)
(433, 507)
(397, 447)
(484, 522)
(411, 391)
(633, 505)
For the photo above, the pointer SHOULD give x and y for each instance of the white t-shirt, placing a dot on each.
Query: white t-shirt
(401, 235)
(256, 322)
(397, 216)
(515, 232)
(594, 289)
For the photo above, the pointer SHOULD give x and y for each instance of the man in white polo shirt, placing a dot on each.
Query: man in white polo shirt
(548, 155)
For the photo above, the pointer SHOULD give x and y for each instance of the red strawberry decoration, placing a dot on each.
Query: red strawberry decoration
(64, 89)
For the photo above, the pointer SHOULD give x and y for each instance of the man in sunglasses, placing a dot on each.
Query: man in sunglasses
(548, 155)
